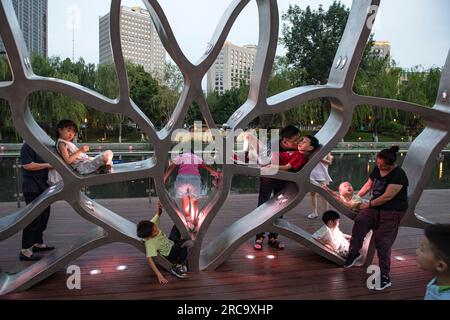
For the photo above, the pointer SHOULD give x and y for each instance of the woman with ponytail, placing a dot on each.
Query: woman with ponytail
(383, 213)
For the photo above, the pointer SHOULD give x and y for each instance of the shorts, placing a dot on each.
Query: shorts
(343, 249)
(188, 184)
(89, 166)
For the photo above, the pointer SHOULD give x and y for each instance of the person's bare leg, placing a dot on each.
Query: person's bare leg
(314, 213)
(253, 146)
(325, 203)
(195, 212)
(108, 157)
(186, 204)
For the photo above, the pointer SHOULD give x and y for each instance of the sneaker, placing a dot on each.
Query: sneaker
(275, 243)
(385, 282)
(258, 244)
(351, 260)
(178, 272)
(312, 216)
(184, 268)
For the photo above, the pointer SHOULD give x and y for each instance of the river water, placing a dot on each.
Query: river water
(353, 167)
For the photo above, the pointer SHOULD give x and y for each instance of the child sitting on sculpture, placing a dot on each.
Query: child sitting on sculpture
(156, 242)
(346, 195)
(331, 236)
(77, 157)
(434, 255)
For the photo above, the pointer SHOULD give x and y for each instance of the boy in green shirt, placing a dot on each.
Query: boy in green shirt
(156, 242)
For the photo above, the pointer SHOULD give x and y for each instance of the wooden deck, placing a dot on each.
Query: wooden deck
(295, 273)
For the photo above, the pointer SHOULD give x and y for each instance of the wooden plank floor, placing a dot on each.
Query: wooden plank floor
(295, 273)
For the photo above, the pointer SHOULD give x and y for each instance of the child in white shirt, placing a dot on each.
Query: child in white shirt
(331, 236)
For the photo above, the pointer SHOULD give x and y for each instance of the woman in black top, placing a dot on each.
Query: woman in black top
(383, 213)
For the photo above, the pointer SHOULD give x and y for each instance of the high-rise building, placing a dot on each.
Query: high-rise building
(140, 41)
(381, 48)
(33, 20)
(233, 66)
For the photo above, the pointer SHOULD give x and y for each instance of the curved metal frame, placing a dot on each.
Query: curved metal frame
(111, 227)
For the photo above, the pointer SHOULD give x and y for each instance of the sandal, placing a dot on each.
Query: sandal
(276, 244)
(312, 216)
(258, 244)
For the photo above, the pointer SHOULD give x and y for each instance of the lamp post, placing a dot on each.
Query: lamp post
(85, 128)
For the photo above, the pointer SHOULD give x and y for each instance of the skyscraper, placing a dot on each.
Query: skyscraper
(33, 20)
(233, 66)
(140, 41)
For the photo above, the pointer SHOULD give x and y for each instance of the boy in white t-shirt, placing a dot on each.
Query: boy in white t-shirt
(331, 236)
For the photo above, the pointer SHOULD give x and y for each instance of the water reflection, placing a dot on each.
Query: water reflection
(352, 167)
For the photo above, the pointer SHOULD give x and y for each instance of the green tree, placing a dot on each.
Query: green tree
(222, 106)
(5, 112)
(144, 91)
(311, 38)
(173, 79)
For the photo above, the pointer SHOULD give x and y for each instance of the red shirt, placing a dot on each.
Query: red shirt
(295, 158)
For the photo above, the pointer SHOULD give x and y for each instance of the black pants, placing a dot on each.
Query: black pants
(34, 232)
(178, 254)
(385, 225)
(266, 187)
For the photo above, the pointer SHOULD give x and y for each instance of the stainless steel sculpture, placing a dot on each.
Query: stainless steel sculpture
(110, 227)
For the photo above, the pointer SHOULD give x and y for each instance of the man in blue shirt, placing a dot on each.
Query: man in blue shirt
(34, 183)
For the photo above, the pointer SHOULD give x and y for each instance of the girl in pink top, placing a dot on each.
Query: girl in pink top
(188, 183)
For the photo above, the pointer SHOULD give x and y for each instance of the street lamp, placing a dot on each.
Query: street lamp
(85, 128)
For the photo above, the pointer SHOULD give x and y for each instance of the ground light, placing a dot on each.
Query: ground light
(95, 272)
(270, 257)
(250, 256)
(121, 268)
(282, 199)
(399, 258)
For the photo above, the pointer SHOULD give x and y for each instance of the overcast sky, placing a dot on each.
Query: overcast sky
(418, 30)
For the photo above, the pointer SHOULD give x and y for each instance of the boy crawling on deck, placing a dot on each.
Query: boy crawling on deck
(156, 242)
